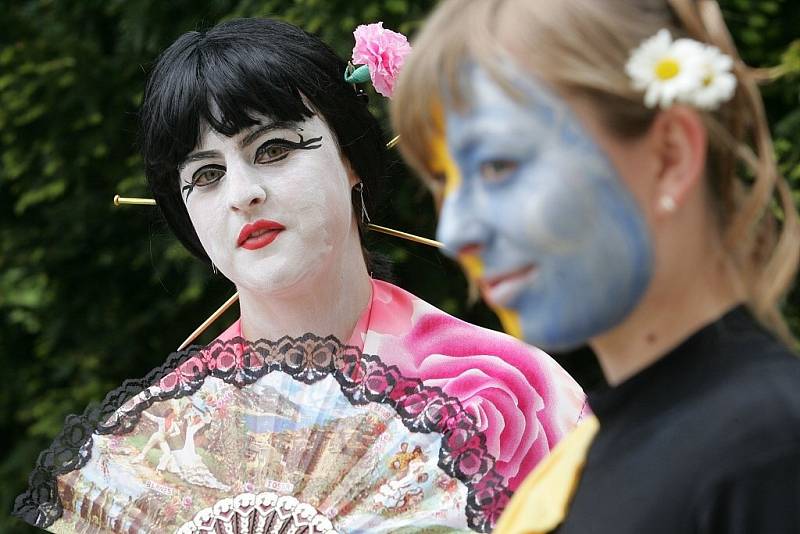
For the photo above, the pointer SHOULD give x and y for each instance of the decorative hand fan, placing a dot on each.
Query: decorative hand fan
(300, 435)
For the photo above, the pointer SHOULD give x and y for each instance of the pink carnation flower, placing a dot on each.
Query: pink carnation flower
(383, 52)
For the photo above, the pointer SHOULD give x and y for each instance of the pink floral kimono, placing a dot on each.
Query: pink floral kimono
(420, 422)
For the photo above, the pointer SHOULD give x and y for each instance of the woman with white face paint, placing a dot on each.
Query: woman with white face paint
(260, 158)
(585, 154)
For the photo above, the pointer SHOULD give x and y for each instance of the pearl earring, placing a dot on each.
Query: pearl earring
(667, 203)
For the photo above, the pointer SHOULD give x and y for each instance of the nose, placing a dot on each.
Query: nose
(460, 227)
(244, 189)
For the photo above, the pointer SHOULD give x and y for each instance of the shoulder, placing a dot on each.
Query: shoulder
(760, 387)
(525, 402)
(435, 337)
(754, 407)
(440, 332)
(758, 490)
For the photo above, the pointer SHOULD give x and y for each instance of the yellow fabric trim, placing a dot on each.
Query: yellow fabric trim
(540, 504)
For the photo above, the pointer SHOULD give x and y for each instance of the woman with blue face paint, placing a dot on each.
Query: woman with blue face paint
(587, 156)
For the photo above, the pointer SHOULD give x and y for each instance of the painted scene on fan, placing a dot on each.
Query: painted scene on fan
(358, 465)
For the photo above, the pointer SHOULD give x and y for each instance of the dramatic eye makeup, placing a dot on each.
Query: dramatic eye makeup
(208, 174)
(271, 151)
(205, 175)
(277, 149)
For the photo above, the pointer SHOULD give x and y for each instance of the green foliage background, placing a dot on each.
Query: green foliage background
(91, 294)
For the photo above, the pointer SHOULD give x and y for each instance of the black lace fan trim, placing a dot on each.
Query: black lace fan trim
(362, 378)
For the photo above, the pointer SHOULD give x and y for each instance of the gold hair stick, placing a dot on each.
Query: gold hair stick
(137, 201)
(393, 143)
(405, 235)
(214, 316)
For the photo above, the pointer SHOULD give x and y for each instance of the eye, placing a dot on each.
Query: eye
(208, 175)
(498, 169)
(271, 152)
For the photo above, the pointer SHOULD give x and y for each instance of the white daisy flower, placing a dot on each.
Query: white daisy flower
(718, 83)
(666, 70)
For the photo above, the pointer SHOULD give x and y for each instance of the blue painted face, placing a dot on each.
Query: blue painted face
(540, 217)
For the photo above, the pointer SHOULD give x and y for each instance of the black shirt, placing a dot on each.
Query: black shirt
(706, 440)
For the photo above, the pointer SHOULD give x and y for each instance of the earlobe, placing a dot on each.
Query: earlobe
(681, 140)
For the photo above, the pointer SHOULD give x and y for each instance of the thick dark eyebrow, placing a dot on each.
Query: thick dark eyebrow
(264, 128)
(196, 156)
(246, 140)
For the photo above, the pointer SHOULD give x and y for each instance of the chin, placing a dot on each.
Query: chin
(562, 336)
(561, 343)
(545, 327)
(276, 281)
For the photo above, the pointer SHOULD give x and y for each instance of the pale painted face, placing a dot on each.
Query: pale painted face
(271, 205)
(539, 217)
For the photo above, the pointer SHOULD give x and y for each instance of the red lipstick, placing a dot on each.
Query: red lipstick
(259, 234)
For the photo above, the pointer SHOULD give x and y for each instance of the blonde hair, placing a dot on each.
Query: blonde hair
(581, 47)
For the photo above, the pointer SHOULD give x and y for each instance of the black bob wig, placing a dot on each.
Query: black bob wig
(224, 78)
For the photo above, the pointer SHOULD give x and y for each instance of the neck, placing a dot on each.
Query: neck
(330, 304)
(682, 298)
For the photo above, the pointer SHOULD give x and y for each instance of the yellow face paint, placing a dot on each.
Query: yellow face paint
(472, 264)
(510, 321)
(443, 164)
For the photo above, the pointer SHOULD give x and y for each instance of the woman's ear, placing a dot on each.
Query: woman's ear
(679, 140)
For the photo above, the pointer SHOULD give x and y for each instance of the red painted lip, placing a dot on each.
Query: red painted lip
(492, 282)
(259, 234)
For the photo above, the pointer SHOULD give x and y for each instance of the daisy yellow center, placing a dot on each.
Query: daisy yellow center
(708, 79)
(667, 69)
